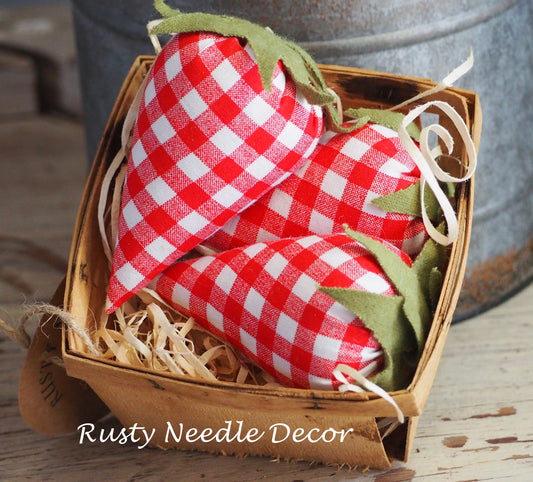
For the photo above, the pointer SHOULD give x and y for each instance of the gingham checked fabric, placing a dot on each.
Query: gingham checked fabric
(335, 186)
(264, 300)
(208, 141)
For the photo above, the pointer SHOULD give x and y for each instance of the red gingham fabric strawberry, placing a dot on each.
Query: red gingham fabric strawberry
(264, 299)
(208, 141)
(336, 185)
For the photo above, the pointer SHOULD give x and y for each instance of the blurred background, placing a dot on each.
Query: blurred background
(43, 160)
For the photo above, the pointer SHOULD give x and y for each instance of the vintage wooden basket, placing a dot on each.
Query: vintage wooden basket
(154, 399)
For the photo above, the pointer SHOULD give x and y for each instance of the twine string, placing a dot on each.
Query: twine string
(19, 334)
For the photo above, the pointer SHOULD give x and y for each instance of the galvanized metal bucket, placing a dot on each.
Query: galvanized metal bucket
(416, 38)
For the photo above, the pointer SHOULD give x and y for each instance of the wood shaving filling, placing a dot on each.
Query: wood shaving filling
(147, 333)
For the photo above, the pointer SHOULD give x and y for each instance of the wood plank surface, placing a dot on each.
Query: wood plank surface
(477, 423)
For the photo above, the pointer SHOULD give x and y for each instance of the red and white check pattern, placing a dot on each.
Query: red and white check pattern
(335, 186)
(209, 141)
(264, 300)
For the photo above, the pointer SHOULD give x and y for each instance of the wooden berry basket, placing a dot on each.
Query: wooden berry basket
(345, 424)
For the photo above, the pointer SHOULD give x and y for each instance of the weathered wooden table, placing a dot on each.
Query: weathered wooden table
(477, 424)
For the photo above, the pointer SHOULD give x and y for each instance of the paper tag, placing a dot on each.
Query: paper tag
(50, 401)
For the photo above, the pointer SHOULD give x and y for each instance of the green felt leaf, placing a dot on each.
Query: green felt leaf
(435, 282)
(361, 122)
(398, 375)
(407, 201)
(432, 255)
(387, 118)
(384, 316)
(268, 48)
(406, 283)
(370, 307)
(400, 323)
(428, 267)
